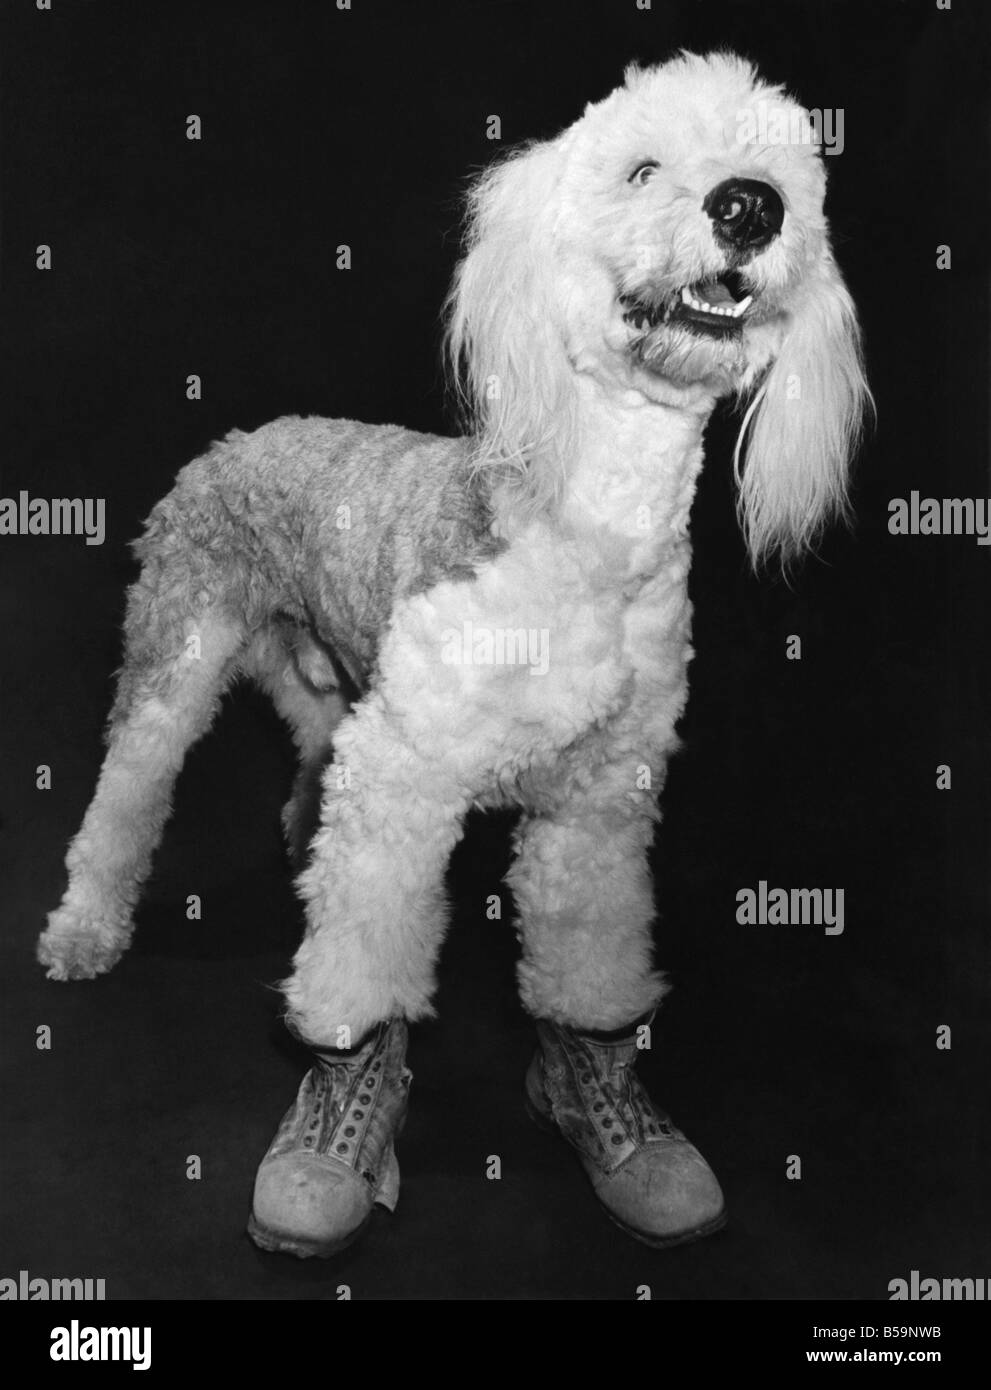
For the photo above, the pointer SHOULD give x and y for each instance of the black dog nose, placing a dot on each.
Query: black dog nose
(745, 214)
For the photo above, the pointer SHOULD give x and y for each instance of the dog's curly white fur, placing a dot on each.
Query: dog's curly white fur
(617, 281)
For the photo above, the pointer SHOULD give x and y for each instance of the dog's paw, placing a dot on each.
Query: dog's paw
(76, 947)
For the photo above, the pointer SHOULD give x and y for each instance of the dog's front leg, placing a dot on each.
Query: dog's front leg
(374, 887)
(584, 894)
(375, 919)
(585, 901)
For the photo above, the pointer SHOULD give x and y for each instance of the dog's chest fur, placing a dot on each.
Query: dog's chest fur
(581, 616)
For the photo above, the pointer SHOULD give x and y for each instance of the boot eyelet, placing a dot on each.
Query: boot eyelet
(350, 1132)
(342, 1148)
(599, 1106)
(365, 1100)
(308, 1141)
(607, 1122)
(616, 1139)
(358, 1115)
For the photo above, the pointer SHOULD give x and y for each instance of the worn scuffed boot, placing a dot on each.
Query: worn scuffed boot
(333, 1159)
(650, 1179)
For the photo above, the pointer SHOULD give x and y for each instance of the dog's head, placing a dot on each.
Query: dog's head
(672, 241)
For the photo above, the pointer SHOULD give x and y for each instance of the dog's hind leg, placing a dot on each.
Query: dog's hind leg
(177, 664)
(299, 677)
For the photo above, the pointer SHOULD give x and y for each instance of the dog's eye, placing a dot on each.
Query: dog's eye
(643, 173)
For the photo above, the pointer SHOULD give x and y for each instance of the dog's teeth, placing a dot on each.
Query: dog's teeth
(702, 306)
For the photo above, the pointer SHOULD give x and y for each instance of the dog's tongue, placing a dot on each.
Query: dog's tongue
(712, 292)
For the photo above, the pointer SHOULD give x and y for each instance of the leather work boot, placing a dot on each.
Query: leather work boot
(650, 1179)
(332, 1159)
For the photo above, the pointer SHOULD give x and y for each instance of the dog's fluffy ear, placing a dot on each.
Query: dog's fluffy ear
(504, 339)
(803, 425)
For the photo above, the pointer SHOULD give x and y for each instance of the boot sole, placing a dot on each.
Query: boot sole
(667, 1242)
(644, 1237)
(277, 1244)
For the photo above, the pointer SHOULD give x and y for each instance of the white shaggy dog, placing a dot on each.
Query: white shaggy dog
(504, 617)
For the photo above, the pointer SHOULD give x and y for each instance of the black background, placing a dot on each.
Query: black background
(218, 257)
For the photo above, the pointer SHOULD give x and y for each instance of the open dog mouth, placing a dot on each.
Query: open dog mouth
(717, 306)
